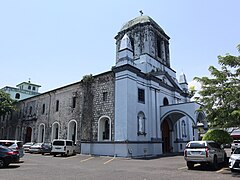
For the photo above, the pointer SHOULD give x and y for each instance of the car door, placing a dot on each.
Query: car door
(219, 151)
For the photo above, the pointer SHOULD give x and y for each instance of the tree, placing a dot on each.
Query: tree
(220, 95)
(218, 135)
(6, 103)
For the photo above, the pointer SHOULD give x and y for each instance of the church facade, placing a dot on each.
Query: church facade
(137, 108)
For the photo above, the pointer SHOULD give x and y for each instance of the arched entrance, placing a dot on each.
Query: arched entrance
(41, 133)
(55, 130)
(72, 130)
(28, 136)
(104, 129)
(165, 136)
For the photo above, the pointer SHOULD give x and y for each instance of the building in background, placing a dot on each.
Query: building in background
(22, 91)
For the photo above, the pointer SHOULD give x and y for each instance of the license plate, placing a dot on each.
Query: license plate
(195, 152)
(57, 148)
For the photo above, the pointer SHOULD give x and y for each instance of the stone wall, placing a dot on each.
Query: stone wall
(41, 110)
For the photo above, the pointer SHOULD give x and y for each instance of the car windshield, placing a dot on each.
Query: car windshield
(237, 151)
(29, 143)
(236, 141)
(37, 144)
(58, 143)
(7, 144)
(196, 145)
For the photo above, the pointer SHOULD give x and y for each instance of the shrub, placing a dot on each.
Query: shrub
(218, 135)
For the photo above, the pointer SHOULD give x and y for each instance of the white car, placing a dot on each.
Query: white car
(63, 147)
(235, 144)
(27, 146)
(204, 152)
(234, 160)
(36, 148)
(14, 145)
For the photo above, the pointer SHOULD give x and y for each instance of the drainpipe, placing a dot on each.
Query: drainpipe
(156, 114)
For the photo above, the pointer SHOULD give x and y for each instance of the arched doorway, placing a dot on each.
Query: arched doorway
(41, 133)
(165, 136)
(104, 129)
(55, 130)
(28, 136)
(72, 130)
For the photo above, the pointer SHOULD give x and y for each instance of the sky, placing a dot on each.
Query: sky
(57, 42)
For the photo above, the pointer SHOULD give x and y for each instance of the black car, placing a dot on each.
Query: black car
(8, 156)
(46, 148)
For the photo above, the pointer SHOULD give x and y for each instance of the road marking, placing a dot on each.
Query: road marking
(221, 170)
(109, 160)
(185, 167)
(86, 159)
(68, 157)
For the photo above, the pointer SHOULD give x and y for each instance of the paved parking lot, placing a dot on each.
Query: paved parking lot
(36, 166)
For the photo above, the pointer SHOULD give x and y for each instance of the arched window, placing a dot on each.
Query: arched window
(132, 44)
(184, 130)
(72, 130)
(57, 105)
(165, 101)
(55, 130)
(30, 110)
(104, 129)
(17, 96)
(141, 123)
(41, 133)
(43, 108)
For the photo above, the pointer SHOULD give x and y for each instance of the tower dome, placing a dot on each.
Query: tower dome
(146, 38)
(141, 20)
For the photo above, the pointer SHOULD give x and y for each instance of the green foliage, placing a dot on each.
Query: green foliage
(192, 91)
(218, 135)
(220, 94)
(87, 79)
(6, 103)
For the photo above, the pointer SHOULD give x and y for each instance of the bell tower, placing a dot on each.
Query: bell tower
(147, 42)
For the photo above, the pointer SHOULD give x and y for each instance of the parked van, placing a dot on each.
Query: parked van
(14, 145)
(63, 147)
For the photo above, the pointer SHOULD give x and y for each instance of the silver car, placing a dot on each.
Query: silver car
(234, 160)
(14, 145)
(204, 152)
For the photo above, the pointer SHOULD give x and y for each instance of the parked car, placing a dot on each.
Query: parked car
(235, 144)
(36, 148)
(8, 156)
(14, 145)
(46, 148)
(234, 160)
(27, 146)
(204, 152)
(63, 147)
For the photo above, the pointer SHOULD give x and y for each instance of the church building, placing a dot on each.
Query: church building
(138, 108)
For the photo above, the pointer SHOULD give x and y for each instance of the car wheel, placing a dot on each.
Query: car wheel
(215, 163)
(2, 163)
(190, 165)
